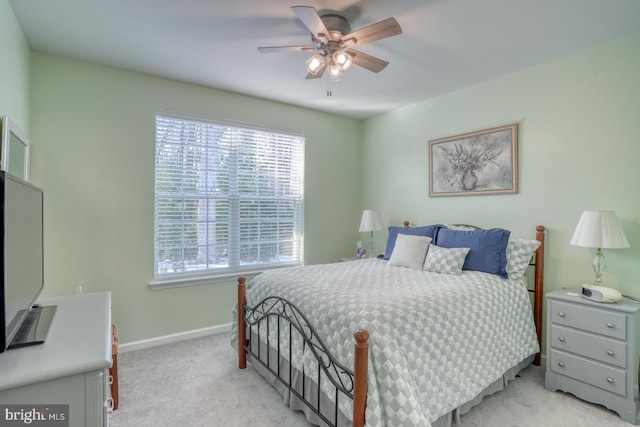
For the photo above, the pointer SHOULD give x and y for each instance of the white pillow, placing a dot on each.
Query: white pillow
(409, 251)
(445, 260)
(519, 254)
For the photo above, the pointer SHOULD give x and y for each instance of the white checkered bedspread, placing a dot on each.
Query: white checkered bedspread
(436, 340)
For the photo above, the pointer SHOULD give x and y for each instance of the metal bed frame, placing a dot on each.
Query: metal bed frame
(350, 383)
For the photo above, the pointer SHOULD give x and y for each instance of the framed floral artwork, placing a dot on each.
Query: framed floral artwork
(481, 162)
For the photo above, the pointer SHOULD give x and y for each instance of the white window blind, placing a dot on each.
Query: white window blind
(227, 199)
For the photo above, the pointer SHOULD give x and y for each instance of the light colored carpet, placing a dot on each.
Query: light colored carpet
(197, 383)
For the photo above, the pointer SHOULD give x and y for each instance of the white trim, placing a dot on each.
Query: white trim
(8, 129)
(224, 122)
(174, 338)
(179, 282)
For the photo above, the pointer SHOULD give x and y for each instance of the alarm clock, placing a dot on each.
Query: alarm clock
(600, 293)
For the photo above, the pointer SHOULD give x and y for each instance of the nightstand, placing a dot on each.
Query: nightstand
(593, 351)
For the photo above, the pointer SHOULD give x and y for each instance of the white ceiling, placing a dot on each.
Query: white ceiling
(445, 45)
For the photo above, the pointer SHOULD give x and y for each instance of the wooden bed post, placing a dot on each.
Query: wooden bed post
(539, 289)
(242, 325)
(361, 366)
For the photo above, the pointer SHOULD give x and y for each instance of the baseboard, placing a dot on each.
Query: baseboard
(173, 338)
(543, 360)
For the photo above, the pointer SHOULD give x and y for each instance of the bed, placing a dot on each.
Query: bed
(394, 341)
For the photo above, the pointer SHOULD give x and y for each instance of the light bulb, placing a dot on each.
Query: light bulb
(314, 64)
(335, 72)
(343, 59)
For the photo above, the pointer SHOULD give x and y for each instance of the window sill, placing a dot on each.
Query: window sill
(180, 282)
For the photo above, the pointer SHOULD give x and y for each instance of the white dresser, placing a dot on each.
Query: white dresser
(593, 351)
(71, 367)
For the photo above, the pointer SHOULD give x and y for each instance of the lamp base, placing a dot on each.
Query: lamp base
(371, 245)
(598, 267)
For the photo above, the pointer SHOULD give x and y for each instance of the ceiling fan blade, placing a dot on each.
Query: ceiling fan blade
(318, 74)
(310, 18)
(276, 49)
(380, 30)
(369, 62)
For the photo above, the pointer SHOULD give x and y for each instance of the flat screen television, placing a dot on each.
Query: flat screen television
(21, 264)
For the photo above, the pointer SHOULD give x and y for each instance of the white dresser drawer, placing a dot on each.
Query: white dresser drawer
(599, 321)
(597, 374)
(596, 347)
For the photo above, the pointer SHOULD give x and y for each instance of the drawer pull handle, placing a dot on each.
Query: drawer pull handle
(610, 380)
(610, 352)
(610, 325)
(561, 339)
(561, 364)
(561, 314)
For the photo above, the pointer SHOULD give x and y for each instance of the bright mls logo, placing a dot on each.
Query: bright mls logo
(34, 415)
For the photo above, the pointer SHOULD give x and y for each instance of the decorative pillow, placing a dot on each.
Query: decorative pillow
(409, 251)
(463, 227)
(445, 260)
(488, 248)
(427, 230)
(519, 253)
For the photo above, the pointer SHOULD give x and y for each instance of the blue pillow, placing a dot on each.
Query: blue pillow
(427, 230)
(488, 248)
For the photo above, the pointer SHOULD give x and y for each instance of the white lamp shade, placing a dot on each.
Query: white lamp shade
(599, 229)
(371, 221)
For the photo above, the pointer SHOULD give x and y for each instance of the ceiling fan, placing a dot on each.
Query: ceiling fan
(333, 42)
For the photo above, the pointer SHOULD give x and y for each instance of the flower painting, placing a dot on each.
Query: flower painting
(482, 162)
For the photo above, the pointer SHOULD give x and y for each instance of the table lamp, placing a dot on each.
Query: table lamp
(371, 222)
(599, 230)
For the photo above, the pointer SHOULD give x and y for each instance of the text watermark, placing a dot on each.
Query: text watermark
(34, 415)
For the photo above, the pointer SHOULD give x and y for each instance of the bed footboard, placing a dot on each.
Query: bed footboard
(351, 383)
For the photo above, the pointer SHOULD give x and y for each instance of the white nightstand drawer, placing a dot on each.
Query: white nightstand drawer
(604, 349)
(594, 373)
(593, 351)
(603, 322)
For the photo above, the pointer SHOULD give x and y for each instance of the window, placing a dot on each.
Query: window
(228, 199)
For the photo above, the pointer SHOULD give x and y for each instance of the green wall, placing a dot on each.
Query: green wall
(579, 148)
(94, 127)
(91, 129)
(14, 69)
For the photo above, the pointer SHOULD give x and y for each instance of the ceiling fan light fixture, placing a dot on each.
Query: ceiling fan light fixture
(343, 59)
(335, 71)
(314, 64)
(332, 41)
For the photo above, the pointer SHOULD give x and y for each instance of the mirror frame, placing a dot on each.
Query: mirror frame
(8, 129)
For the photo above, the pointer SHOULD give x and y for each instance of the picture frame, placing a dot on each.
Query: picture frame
(14, 153)
(475, 163)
